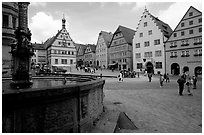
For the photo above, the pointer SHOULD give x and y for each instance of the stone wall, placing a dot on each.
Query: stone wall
(64, 109)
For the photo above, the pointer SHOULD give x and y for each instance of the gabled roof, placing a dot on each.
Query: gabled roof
(107, 36)
(81, 47)
(50, 41)
(191, 7)
(38, 46)
(127, 33)
(165, 28)
(92, 47)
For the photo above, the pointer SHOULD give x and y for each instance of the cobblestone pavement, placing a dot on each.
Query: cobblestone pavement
(154, 109)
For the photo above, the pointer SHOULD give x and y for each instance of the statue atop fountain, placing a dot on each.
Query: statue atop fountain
(22, 50)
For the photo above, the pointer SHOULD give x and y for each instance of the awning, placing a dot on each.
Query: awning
(60, 65)
(113, 64)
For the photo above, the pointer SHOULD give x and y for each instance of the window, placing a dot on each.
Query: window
(137, 45)
(190, 22)
(145, 24)
(190, 31)
(59, 42)
(5, 20)
(175, 34)
(158, 53)
(200, 20)
(138, 55)
(158, 65)
(199, 29)
(148, 54)
(182, 24)
(14, 22)
(139, 65)
(56, 61)
(68, 44)
(191, 14)
(150, 32)
(157, 42)
(71, 61)
(64, 61)
(146, 43)
(182, 33)
(173, 55)
(141, 34)
(72, 53)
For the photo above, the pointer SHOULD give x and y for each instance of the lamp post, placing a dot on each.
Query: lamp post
(22, 51)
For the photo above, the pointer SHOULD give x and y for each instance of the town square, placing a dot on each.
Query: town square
(102, 67)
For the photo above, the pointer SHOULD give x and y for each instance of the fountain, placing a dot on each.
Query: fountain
(22, 51)
(63, 103)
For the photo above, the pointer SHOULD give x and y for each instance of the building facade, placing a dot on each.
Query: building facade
(80, 55)
(61, 51)
(9, 24)
(184, 47)
(40, 55)
(120, 49)
(90, 55)
(103, 42)
(148, 44)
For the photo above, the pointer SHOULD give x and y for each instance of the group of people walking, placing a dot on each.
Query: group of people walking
(189, 81)
(185, 79)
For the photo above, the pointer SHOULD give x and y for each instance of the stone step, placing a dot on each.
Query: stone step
(107, 122)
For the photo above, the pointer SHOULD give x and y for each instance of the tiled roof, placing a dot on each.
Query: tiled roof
(165, 28)
(107, 36)
(38, 46)
(82, 47)
(92, 47)
(127, 33)
(49, 41)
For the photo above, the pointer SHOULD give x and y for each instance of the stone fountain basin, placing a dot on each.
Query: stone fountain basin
(50, 106)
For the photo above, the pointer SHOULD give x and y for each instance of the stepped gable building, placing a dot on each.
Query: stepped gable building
(61, 51)
(120, 49)
(9, 24)
(80, 54)
(102, 54)
(184, 47)
(90, 55)
(148, 44)
(40, 54)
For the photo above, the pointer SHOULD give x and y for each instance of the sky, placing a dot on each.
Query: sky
(85, 20)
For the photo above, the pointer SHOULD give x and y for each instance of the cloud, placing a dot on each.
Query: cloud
(176, 11)
(37, 4)
(43, 26)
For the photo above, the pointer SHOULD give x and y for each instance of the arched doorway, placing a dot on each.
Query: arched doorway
(149, 67)
(198, 71)
(185, 69)
(175, 69)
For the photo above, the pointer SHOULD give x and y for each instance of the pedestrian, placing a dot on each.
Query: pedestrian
(150, 77)
(181, 81)
(189, 84)
(167, 77)
(194, 82)
(161, 80)
(120, 76)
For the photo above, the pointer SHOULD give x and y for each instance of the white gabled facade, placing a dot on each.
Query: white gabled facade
(148, 44)
(61, 50)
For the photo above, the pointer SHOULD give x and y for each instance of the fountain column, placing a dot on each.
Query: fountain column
(22, 50)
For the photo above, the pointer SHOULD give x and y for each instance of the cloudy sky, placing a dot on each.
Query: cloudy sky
(84, 20)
